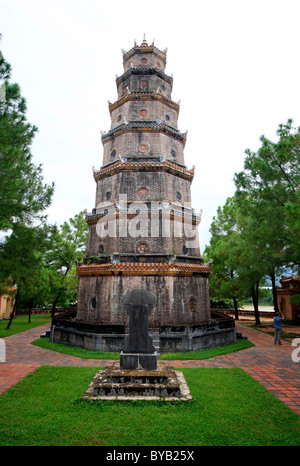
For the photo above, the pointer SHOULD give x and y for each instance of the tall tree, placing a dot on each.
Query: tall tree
(257, 232)
(268, 193)
(270, 186)
(69, 243)
(23, 194)
(226, 249)
(237, 268)
(21, 259)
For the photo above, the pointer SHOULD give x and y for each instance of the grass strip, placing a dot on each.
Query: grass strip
(229, 409)
(20, 324)
(89, 354)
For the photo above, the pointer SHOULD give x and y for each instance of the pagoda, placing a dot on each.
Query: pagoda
(143, 231)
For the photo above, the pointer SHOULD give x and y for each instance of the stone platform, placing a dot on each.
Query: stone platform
(219, 331)
(114, 383)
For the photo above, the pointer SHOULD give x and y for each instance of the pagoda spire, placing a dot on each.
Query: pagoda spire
(144, 43)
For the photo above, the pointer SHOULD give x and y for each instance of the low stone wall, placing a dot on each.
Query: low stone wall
(93, 341)
(190, 340)
(218, 332)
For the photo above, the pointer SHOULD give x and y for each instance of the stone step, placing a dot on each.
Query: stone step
(240, 336)
(137, 389)
(46, 334)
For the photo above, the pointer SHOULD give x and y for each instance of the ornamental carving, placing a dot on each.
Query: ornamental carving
(142, 248)
(143, 192)
(143, 148)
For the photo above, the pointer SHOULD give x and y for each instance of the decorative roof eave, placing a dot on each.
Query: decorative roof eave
(291, 280)
(143, 96)
(133, 268)
(287, 291)
(93, 219)
(144, 49)
(144, 70)
(116, 214)
(144, 126)
(165, 166)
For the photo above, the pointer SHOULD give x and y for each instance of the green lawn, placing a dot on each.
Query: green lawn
(229, 408)
(20, 324)
(89, 354)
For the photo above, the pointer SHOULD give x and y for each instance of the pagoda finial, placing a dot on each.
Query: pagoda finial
(144, 41)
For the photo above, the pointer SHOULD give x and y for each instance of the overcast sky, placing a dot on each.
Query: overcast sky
(236, 72)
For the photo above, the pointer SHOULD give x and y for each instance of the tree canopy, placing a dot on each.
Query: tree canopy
(23, 193)
(69, 245)
(269, 190)
(256, 233)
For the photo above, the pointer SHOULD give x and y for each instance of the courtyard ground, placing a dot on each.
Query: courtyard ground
(271, 365)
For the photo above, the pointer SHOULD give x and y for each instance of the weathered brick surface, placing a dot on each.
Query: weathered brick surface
(174, 295)
(144, 58)
(160, 186)
(144, 110)
(144, 83)
(164, 236)
(139, 144)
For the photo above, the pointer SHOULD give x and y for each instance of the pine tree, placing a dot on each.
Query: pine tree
(23, 194)
(269, 190)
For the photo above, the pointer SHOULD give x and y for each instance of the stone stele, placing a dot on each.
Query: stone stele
(138, 376)
(139, 352)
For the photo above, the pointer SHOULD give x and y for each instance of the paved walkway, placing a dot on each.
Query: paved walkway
(271, 365)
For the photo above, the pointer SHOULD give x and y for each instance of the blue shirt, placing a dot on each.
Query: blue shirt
(277, 321)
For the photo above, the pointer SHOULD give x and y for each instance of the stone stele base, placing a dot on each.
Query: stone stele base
(132, 361)
(117, 384)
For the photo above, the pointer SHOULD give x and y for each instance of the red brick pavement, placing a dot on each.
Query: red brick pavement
(271, 365)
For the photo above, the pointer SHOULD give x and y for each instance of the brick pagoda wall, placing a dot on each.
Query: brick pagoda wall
(180, 300)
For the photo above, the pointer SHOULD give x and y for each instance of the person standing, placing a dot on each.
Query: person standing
(278, 328)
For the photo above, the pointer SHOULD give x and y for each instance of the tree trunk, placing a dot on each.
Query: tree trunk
(254, 293)
(274, 292)
(14, 309)
(54, 306)
(236, 311)
(29, 314)
(59, 293)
